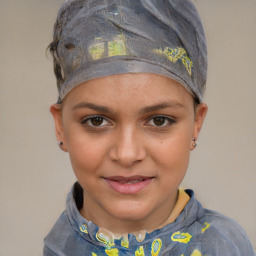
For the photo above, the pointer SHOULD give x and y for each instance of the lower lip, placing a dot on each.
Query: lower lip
(128, 189)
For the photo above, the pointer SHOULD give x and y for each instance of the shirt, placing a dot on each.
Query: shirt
(195, 232)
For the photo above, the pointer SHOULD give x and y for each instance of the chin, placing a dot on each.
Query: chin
(131, 211)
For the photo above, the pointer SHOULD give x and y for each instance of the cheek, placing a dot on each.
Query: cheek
(86, 155)
(173, 152)
(175, 157)
(173, 167)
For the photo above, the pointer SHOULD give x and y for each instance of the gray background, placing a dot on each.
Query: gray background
(35, 175)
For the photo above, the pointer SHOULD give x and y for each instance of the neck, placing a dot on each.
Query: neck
(119, 225)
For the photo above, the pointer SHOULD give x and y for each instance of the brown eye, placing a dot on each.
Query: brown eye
(159, 120)
(96, 121)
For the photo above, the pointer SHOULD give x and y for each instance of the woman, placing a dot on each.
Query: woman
(131, 77)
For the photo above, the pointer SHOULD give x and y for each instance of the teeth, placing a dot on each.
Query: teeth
(134, 181)
(130, 182)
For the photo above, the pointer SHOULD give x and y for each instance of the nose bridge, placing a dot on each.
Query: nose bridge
(128, 147)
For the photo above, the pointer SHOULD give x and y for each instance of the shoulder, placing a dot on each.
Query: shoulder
(224, 225)
(57, 233)
(223, 235)
(61, 233)
(212, 233)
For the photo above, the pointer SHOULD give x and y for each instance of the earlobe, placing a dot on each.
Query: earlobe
(55, 110)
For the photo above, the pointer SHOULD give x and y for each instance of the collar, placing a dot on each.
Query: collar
(185, 212)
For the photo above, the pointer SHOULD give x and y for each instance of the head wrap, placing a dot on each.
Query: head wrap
(97, 38)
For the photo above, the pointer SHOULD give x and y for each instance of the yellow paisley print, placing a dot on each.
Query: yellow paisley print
(181, 237)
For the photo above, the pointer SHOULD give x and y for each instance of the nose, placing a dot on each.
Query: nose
(128, 147)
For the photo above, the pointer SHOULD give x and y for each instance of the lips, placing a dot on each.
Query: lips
(128, 185)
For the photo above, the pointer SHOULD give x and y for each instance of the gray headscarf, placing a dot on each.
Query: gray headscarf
(97, 38)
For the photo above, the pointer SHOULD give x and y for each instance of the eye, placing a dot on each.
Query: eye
(96, 121)
(160, 121)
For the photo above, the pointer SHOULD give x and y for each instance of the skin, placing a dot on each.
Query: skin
(144, 128)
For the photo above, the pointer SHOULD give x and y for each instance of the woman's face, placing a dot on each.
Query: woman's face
(129, 138)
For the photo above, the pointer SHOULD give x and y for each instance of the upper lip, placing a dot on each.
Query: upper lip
(127, 179)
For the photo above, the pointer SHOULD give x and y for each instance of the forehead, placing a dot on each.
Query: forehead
(142, 88)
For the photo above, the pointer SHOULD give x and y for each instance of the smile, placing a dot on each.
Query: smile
(128, 185)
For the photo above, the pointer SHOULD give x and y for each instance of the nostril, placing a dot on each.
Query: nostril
(70, 46)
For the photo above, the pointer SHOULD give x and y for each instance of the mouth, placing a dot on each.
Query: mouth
(128, 185)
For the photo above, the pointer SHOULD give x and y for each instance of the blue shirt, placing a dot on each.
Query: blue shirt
(196, 232)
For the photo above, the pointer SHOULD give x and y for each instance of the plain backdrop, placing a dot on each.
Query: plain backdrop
(35, 175)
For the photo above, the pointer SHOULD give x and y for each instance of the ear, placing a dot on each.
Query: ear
(200, 113)
(55, 110)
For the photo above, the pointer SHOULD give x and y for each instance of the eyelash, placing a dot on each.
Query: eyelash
(169, 121)
(89, 119)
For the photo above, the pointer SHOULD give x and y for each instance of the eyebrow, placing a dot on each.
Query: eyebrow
(103, 109)
(171, 104)
(92, 106)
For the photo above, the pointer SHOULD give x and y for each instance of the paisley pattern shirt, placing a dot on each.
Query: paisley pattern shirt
(196, 232)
